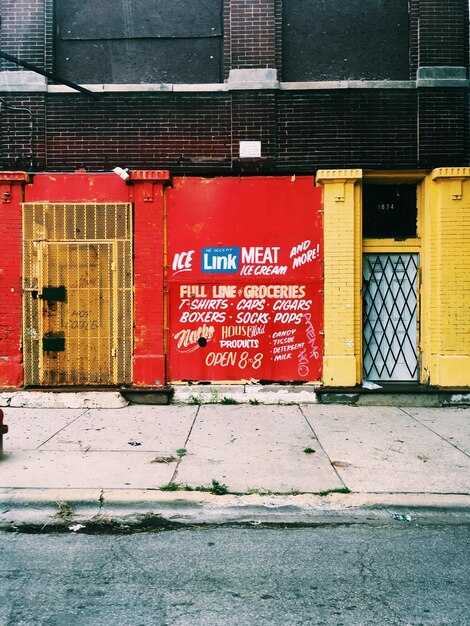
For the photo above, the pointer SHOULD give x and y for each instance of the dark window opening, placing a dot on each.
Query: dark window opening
(389, 211)
(139, 41)
(338, 40)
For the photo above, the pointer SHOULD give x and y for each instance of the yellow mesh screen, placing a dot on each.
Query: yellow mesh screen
(86, 249)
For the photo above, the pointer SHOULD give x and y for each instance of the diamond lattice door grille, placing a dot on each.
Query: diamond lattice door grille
(389, 317)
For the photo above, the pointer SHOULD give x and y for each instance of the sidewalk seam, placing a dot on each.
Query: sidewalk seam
(321, 446)
(173, 478)
(61, 429)
(434, 432)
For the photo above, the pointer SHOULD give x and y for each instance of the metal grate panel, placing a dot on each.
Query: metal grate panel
(76, 222)
(86, 339)
(389, 317)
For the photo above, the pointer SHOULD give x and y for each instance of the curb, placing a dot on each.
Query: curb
(126, 511)
(240, 393)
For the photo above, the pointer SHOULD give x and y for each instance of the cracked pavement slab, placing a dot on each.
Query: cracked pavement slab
(260, 447)
(384, 449)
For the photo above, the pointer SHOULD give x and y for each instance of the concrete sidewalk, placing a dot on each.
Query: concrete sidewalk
(305, 456)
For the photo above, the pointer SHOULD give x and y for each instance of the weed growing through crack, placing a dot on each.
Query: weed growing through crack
(214, 396)
(253, 401)
(181, 452)
(261, 491)
(65, 512)
(164, 459)
(309, 450)
(170, 487)
(218, 489)
(226, 400)
(194, 399)
(338, 490)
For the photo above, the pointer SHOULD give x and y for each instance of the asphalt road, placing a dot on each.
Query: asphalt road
(358, 575)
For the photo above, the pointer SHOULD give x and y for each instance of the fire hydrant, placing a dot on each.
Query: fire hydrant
(3, 431)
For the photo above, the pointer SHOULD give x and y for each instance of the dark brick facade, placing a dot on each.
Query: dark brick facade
(442, 127)
(22, 31)
(443, 28)
(250, 34)
(357, 128)
(299, 131)
(196, 132)
(151, 131)
(22, 132)
(414, 37)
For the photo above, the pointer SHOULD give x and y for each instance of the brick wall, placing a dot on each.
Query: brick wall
(443, 28)
(22, 128)
(299, 130)
(252, 31)
(23, 31)
(250, 34)
(346, 129)
(342, 277)
(442, 124)
(254, 119)
(149, 317)
(10, 285)
(414, 37)
(199, 133)
(153, 131)
(445, 261)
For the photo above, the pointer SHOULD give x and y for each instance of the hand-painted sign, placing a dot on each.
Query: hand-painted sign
(245, 279)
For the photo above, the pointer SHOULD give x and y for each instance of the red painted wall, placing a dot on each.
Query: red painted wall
(145, 191)
(273, 219)
(11, 193)
(77, 187)
(148, 197)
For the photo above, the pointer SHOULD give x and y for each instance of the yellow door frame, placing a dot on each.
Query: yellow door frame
(446, 282)
(343, 250)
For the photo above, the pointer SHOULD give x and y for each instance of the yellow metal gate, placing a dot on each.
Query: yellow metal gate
(77, 290)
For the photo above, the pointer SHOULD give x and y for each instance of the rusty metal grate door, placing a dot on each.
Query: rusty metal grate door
(77, 295)
(77, 330)
(390, 317)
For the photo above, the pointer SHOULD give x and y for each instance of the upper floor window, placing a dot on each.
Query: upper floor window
(345, 40)
(139, 41)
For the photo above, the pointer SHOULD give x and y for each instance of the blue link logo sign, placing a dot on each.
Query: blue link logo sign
(220, 260)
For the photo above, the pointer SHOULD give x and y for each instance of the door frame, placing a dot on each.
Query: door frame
(56, 223)
(43, 247)
(412, 245)
(398, 249)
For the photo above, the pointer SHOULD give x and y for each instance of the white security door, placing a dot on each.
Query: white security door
(389, 317)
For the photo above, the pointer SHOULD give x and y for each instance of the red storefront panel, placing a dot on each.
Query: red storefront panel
(244, 279)
(11, 196)
(145, 190)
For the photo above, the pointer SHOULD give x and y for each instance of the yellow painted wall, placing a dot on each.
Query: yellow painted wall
(444, 246)
(342, 363)
(445, 297)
